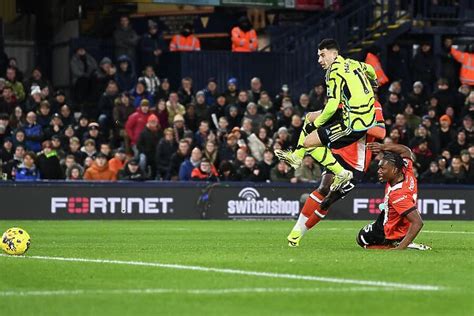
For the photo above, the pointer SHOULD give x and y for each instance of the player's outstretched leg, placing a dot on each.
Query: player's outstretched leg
(324, 156)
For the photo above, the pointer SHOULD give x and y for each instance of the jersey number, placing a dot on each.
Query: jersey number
(361, 76)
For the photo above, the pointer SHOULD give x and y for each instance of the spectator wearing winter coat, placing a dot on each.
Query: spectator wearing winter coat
(118, 161)
(44, 114)
(125, 75)
(102, 76)
(417, 98)
(433, 175)
(186, 92)
(106, 107)
(202, 109)
(205, 172)
(210, 92)
(15, 84)
(99, 171)
(152, 83)
(227, 172)
(5, 130)
(232, 92)
(33, 133)
(164, 151)
(255, 90)
(123, 108)
(177, 159)
(140, 93)
(125, 39)
(94, 134)
(152, 45)
(83, 65)
(459, 144)
(423, 66)
(282, 173)
(201, 135)
(188, 165)
(8, 100)
(74, 173)
(258, 143)
(249, 171)
(131, 172)
(137, 121)
(309, 171)
(266, 165)
(27, 170)
(48, 163)
(174, 107)
(228, 148)
(456, 173)
(147, 142)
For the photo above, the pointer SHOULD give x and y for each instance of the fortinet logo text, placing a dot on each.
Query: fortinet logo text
(111, 205)
(425, 206)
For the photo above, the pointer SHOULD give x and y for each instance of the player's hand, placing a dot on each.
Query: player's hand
(375, 147)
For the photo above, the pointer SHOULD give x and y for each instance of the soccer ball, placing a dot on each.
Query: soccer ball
(15, 241)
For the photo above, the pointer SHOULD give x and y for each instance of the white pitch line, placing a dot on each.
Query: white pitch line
(189, 291)
(404, 286)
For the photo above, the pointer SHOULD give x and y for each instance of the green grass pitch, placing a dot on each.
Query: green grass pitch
(139, 282)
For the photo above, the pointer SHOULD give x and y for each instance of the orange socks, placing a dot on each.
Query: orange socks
(312, 209)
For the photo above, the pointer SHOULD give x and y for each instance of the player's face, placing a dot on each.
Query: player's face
(386, 171)
(326, 57)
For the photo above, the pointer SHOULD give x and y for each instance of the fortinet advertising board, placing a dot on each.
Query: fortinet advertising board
(159, 200)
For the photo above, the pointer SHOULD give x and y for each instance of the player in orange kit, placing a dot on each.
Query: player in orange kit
(354, 157)
(399, 222)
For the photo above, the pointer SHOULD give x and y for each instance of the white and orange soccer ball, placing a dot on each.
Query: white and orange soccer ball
(15, 241)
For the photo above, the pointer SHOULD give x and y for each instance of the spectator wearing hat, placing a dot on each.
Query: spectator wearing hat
(269, 123)
(82, 65)
(188, 165)
(152, 83)
(118, 161)
(99, 170)
(249, 171)
(102, 76)
(174, 107)
(55, 126)
(15, 84)
(243, 36)
(185, 41)
(232, 92)
(179, 128)
(27, 170)
(8, 100)
(446, 133)
(125, 76)
(74, 149)
(93, 132)
(265, 104)
(282, 95)
(81, 129)
(146, 145)
(48, 163)
(317, 97)
(185, 92)
(137, 121)
(177, 159)
(34, 99)
(152, 46)
(258, 143)
(205, 171)
(125, 39)
(106, 106)
(433, 175)
(228, 148)
(59, 99)
(417, 98)
(131, 172)
(210, 92)
(201, 108)
(167, 146)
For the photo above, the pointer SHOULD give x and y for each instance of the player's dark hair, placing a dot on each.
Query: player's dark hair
(328, 43)
(394, 158)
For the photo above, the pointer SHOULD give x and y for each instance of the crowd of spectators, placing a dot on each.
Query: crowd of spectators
(123, 125)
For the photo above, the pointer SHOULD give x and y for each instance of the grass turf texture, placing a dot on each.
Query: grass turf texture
(328, 251)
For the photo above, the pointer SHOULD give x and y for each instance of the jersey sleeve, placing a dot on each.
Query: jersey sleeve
(334, 86)
(408, 165)
(402, 202)
(368, 70)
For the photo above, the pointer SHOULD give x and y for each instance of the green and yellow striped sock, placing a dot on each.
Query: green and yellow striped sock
(324, 156)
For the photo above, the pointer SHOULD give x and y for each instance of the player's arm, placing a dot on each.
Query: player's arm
(402, 150)
(369, 72)
(416, 223)
(334, 85)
